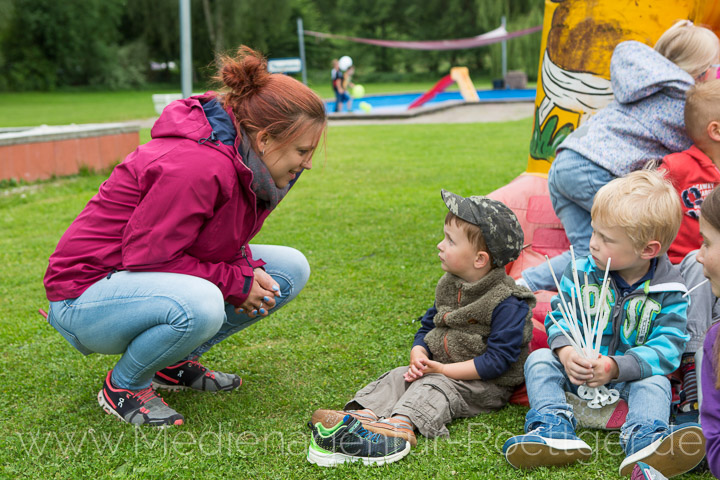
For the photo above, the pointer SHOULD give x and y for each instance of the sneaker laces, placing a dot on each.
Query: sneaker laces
(364, 433)
(208, 373)
(145, 395)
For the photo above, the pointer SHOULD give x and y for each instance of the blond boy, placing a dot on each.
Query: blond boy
(634, 219)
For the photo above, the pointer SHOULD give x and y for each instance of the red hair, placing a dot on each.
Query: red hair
(268, 102)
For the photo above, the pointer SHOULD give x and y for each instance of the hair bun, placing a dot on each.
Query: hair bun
(244, 74)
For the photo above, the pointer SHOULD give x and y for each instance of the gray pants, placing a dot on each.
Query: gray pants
(431, 401)
(704, 306)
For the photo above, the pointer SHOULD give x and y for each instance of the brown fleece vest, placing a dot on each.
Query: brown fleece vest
(464, 318)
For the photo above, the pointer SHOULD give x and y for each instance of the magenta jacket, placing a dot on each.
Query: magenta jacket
(181, 203)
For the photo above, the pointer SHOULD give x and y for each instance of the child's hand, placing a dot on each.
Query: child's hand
(604, 370)
(415, 370)
(578, 369)
(431, 366)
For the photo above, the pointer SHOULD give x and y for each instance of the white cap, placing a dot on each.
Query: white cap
(345, 62)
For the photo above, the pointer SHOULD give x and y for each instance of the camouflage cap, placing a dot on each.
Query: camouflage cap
(499, 225)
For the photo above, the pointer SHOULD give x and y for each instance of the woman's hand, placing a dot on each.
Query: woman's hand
(262, 295)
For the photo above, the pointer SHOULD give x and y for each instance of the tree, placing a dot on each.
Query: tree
(49, 43)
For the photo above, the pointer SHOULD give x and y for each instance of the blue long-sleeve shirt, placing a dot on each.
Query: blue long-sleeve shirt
(503, 344)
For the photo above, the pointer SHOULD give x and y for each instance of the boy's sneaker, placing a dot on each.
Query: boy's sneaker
(643, 471)
(677, 450)
(191, 374)
(394, 427)
(348, 441)
(390, 427)
(330, 418)
(550, 441)
(607, 417)
(142, 407)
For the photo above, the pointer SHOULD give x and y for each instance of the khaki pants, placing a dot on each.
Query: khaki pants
(431, 401)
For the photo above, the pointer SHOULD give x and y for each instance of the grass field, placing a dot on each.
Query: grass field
(368, 217)
(59, 108)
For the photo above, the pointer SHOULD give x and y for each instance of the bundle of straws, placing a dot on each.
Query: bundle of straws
(585, 331)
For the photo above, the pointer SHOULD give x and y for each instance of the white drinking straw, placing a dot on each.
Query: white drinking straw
(695, 287)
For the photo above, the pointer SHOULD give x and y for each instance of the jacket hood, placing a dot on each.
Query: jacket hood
(203, 120)
(638, 71)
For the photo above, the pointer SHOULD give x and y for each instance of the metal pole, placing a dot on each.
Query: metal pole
(504, 53)
(185, 49)
(301, 41)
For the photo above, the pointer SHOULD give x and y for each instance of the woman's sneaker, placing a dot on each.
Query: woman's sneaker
(349, 441)
(192, 374)
(142, 407)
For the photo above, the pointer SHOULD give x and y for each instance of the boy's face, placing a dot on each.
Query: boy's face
(709, 255)
(612, 242)
(457, 254)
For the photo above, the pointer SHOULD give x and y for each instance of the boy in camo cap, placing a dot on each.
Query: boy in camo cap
(468, 355)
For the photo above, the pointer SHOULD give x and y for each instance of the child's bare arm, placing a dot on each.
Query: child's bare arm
(459, 371)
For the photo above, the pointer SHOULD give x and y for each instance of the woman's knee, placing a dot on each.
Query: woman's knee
(202, 309)
(298, 267)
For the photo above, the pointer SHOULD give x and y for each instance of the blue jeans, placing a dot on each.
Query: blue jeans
(648, 399)
(573, 181)
(155, 319)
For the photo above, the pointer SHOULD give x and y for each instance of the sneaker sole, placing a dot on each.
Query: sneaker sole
(111, 411)
(323, 459)
(663, 456)
(554, 453)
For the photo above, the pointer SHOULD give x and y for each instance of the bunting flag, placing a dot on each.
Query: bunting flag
(493, 36)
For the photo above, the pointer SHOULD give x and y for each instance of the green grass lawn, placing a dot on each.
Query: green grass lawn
(368, 217)
(60, 108)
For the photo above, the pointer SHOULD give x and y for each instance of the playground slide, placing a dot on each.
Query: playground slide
(461, 76)
(440, 86)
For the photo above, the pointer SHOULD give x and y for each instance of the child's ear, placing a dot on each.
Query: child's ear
(482, 259)
(713, 131)
(651, 250)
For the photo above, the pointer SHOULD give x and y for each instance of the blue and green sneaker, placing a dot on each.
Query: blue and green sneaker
(348, 441)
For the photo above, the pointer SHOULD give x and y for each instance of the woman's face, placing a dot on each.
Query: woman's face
(286, 162)
(709, 255)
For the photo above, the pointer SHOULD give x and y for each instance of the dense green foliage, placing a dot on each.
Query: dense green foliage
(46, 44)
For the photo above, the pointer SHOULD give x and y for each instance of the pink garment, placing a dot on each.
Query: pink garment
(181, 203)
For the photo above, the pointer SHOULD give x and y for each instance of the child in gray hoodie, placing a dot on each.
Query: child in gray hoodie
(645, 122)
